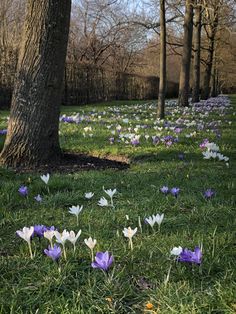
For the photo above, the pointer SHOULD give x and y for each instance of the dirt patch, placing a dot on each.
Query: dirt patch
(72, 162)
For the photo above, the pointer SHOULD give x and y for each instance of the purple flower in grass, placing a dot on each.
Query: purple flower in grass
(23, 190)
(38, 198)
(175, 192)
(164, 189)
(39, 230)
(209, 193)
(193, 257)
(102, 261)
(54, 253)
(3, 132)
(181, 156)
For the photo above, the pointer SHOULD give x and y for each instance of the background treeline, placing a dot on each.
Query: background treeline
(114, 48)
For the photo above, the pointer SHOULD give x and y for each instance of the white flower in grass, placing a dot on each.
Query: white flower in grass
(62, 238)
(103, 202)
(129, 233)
(76, 210)
(91, 244)
(49, 234)
(88, 195)
(45, 178)
(26, 234)
(176, 250)
(159, 218)
(110, 193)
(74, 237)
(151, 220)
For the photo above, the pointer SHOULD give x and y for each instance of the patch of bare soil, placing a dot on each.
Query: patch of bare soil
(72, 162)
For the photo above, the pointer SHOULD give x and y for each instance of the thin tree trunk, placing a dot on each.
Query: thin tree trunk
(186, 55)
(197, 53)
(32, 136)
(162, 81)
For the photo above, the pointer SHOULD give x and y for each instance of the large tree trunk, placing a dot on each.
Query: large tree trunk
(162, 82)
(197, 52)
(211, 31)
(186, 55)
(32, 136)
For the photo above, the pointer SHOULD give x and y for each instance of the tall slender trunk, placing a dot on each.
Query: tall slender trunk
(162, 81)
(197, 53)
(32, 136)
(186, 55)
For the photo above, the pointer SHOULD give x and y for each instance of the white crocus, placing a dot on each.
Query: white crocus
(103, 202)
(176, 251)
(74, 237)
(26, 234)
(151, 220)
(76, 210)
(45, 178)
(49, 234)
(62, 238)
(88, 195)
(159, 219)
(129, 233)
(91, 244)
(110, 193)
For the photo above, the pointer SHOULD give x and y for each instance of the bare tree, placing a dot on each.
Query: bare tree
(32, 136)
(186, 55)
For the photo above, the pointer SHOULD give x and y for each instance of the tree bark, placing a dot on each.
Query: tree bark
(197, 53)
(32, 137)
(186, 55)
(162, 81)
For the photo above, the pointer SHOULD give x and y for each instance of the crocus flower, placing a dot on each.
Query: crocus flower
(129, 233)
(75, 210)
(159, 219)
(209, 193)
(88, 195)
(151, 220)
(23, 190)
(102, 261)
(62, 238)
(39, 230)
(26, 234)
(175, 191)
(164, 189)
(91, 244)
(110, 193)
(38, 198)
(74, 237)
(53, 252)
(45, 178)
(193, 257)
(49, 234)
(103, 202)
(176, 251)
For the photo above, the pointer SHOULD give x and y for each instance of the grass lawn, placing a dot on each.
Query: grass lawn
(147, 279)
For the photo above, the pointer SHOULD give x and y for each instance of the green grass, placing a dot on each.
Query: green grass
(138, 277)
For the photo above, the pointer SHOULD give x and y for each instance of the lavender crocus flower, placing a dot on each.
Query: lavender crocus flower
(23, 190)
(102, 261)
(193, 257)
(164, 189)
(54, 253)
(3, 132)
(39, 230)
(38, 198)
(175, 192)
(209, 193)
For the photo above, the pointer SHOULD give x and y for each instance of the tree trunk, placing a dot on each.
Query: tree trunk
(162, 81)
(197, 52)
(186, 55)
(32, 137)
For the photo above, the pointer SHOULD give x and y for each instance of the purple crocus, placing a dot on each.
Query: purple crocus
(54, 253)
(175, 192)
(23, 190)
(39, 230)
(209, 193)
(38, 198)
(164, 189)
(193, 257)
(135, 141)
(3, 132)
(102, 261)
